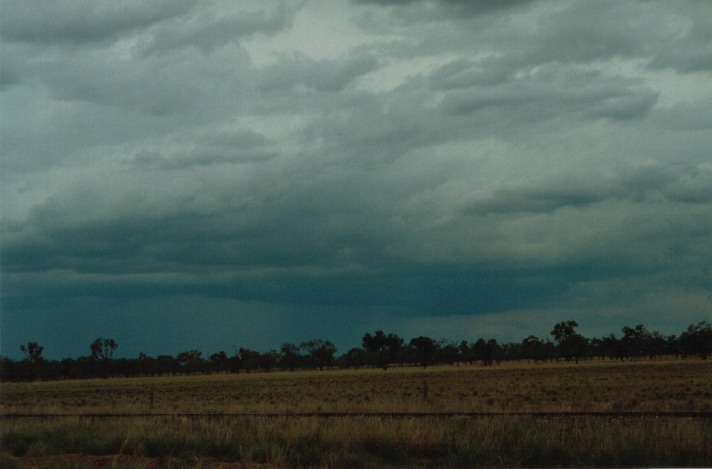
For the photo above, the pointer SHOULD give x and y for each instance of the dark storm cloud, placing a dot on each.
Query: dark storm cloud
(154, 86)
(576, 94)
(663, 35)
(234, 147)
(694, 187)
(538, 200)
(173, 25)
(209, 30)
(548, 195)
(420, 165)
(78, 22)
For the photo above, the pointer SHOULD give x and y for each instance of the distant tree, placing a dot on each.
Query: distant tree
(563, 331)
(575, 347)
(354, 358)
(103, 349)
(167, 365)
(289, 356)
(479, 350)
(424, 348)
(571, 345)
(493, 351)
(466, 353)
(190, 361)
(384, 348)
(533, 348)
(219, 361)
(655, 344)
(612, 347)
(125, 367)
(321, 352)
(249, 359)
(485, 351)
(634, 341)
(234, 363)
(378, 349)
(82, 367)
(7, 369)
(146, 365)
(33, 352)
(597, 348)
(268, 361)
(446, 352)
(697, 340)
(673, 346)
(510, 351)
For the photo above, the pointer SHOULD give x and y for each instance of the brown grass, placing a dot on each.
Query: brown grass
(367, 441)
(591, 386)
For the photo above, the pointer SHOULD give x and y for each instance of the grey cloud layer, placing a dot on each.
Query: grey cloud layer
(77, 22)
(443, 164)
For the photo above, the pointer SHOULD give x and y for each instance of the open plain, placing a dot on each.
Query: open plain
(594, 413)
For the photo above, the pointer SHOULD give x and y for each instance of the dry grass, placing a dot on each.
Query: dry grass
(369, 441)
(591, 386)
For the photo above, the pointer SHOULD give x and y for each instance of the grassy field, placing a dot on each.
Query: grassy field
(368, 441)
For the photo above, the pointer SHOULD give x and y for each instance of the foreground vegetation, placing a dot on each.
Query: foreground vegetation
(363, 441)
(154, 440)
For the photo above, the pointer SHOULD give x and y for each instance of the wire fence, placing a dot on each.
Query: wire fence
(390, 415)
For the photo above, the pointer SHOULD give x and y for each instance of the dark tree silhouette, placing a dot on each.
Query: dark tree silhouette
(384, 348)
(219, 361)
(572, 346)
(321, 352)
(167, 365)
(466, 353)
(378, 349)
(354, 358)
(485, 351)
(446, 352)
(533, 348)
(250, 359)
(289, 356)
(563, 331)
(697, 340)
(424, 348)
(103, 349)
(268, 361)
(33, 352)
(190, 361)
(101, 352)
(634, 341)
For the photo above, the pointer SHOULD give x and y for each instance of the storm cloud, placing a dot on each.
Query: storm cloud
(181, 175)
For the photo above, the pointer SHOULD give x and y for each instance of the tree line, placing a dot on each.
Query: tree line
(378, 349)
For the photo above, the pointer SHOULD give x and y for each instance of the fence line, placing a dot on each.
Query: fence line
(394, 415)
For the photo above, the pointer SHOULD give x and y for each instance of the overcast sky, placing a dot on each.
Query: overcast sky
(189, 174)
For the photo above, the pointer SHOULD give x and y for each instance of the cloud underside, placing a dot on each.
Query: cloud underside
(417, 158)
